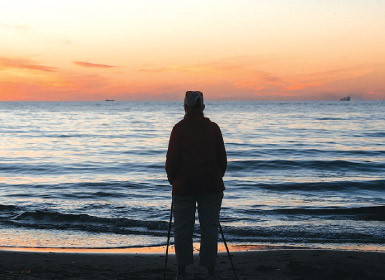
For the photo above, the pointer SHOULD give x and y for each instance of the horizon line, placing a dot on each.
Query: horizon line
(207, 100)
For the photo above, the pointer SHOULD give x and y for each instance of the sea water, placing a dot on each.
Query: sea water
(91, 174)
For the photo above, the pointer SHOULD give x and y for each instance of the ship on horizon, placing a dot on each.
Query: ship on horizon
(346, 98)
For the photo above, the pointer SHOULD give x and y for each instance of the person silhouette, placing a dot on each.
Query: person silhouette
(196, 162)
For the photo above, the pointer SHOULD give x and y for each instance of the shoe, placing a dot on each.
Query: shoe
(212, 277)
(181, 277)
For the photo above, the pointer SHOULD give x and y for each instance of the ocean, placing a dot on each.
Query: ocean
(91, 174)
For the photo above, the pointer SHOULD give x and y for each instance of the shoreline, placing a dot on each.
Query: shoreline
(285, 264)
(161, 249)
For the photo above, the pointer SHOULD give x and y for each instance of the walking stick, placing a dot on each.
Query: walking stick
(168, 240)
(227, 249)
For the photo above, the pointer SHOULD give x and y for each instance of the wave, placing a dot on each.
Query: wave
(374, 185)
(308, 234)
(94, 168)
(48, 219)
(87, 191)
(17, 216)
(375, 134)
(340, 165)
(47, 168)
(329, 119)
(104, 185)
(374, 213)
(374, 164)
(262, 151)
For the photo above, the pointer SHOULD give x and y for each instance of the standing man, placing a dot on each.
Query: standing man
(195, 164)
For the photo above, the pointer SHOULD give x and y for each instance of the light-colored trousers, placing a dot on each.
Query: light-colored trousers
(209, 206)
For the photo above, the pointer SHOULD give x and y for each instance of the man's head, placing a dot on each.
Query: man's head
(193, 101)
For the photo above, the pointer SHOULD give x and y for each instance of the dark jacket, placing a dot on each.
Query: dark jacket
(196, 157)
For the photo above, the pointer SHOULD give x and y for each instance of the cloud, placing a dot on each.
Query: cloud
(92, 65)
(229, 65)
(22, 63)
(321, 78)
(17, 27)
(154, 70)
(56, 86)
(252, 77)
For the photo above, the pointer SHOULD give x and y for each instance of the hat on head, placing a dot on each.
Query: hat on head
(192, 97)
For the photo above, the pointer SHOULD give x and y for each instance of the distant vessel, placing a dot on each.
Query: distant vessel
(110, 100)
(346, 98)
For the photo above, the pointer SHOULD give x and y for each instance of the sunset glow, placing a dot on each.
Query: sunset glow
(156, 50)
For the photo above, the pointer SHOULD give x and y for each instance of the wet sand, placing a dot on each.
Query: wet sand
(269, 264)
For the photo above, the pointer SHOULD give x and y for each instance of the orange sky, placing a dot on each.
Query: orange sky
(158, 49)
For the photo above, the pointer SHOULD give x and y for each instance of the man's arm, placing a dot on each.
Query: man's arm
(222, 157)
(172, 158)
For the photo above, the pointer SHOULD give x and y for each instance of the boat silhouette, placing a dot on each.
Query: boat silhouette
(346, 98)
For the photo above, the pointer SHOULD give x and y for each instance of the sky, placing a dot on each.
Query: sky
(54, 50)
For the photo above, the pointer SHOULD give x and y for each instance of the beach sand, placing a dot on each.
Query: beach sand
(268, 264)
